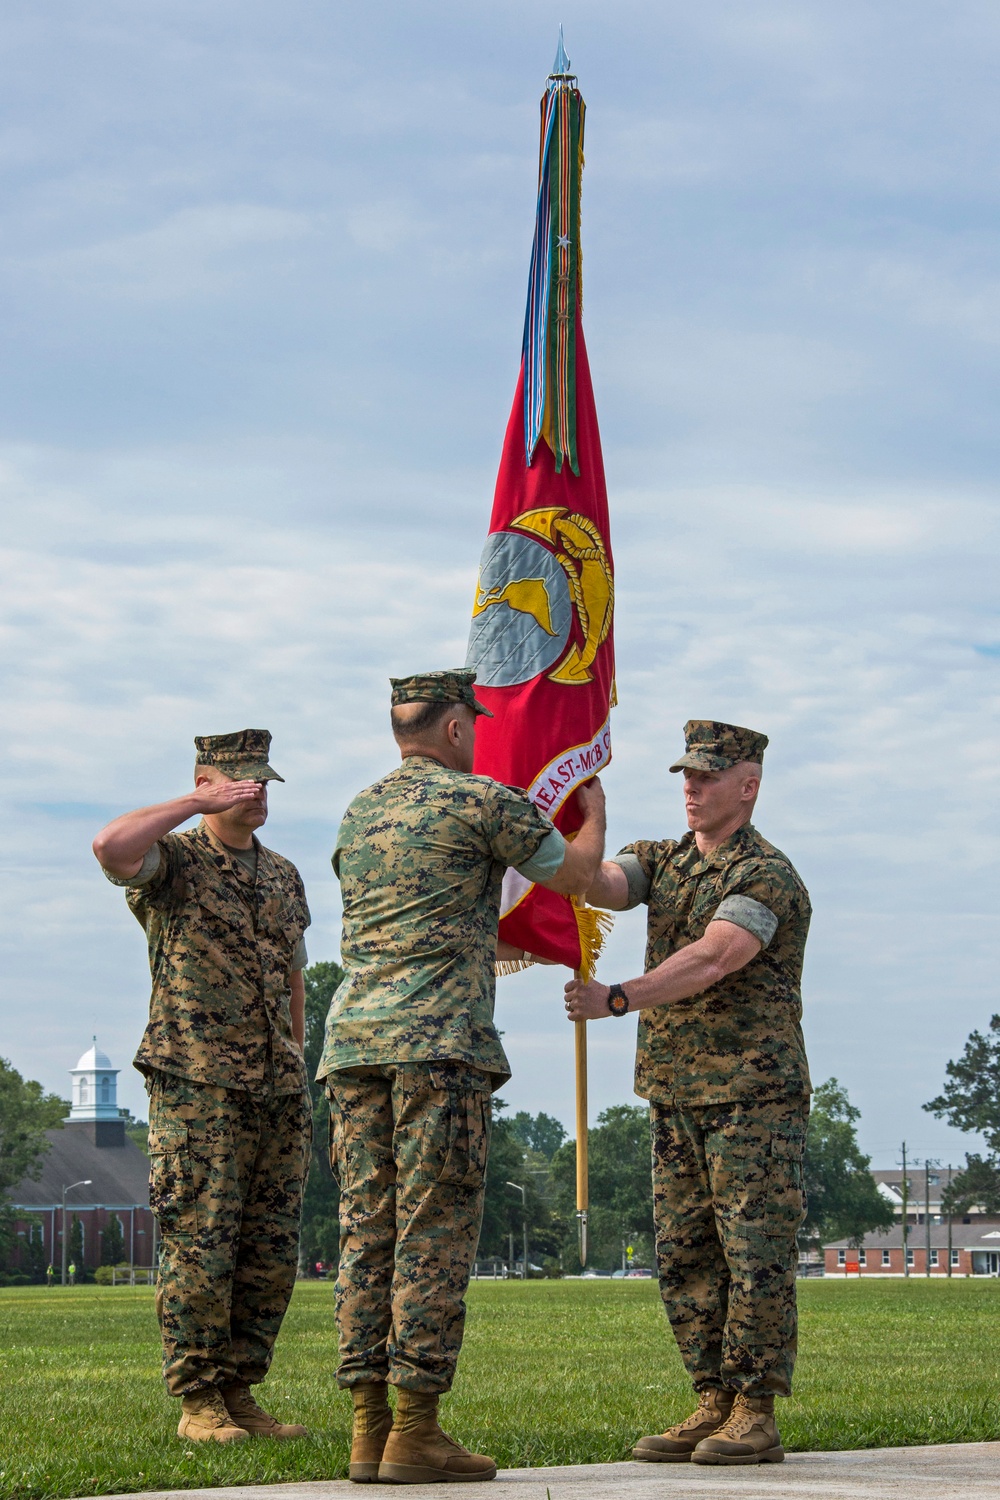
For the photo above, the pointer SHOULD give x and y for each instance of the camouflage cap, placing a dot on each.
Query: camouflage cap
(241, 756)
(710, 746)
(438, 687)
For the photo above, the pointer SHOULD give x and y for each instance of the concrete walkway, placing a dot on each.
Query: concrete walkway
(960, 1471)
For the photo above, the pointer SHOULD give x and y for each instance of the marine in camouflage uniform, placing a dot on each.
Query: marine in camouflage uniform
(229, 1111)
(410, 1061)
(722, 1061)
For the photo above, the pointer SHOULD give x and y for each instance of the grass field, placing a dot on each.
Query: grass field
(552, 1372)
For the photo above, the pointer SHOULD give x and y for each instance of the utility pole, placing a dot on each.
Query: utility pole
(906, 1222)
(928, 1163)
(949, 1218)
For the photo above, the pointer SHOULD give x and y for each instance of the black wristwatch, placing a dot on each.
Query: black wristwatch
(617, 1001)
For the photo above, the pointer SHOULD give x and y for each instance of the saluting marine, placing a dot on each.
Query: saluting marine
(230, 1122)
(722, 1061)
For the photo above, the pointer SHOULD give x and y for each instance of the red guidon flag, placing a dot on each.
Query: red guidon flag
(541, 641)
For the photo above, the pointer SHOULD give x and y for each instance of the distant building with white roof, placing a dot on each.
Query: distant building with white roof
(95, 1087)
(90, 1149)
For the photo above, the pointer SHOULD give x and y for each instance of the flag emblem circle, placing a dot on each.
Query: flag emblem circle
(522, 615)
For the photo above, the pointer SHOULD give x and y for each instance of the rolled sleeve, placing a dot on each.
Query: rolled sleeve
(753, 916)
(514, 827)
(639, 882)
(547, 858)
(300, 957)
(146, 873)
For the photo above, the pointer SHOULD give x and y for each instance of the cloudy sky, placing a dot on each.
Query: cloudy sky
(262, 273)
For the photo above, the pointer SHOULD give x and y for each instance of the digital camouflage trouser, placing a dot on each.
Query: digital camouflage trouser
(727, 1202)
(408, 1144)
(226, 1175)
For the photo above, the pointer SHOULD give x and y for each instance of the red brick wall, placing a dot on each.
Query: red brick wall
(875, 1267)
(93, 1221)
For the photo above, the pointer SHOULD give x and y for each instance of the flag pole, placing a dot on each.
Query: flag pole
(582, 1162)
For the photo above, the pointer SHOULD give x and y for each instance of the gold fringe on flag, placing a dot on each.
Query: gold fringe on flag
(593, 927)
(504, 966)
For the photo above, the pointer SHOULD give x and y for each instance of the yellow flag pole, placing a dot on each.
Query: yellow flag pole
(582, 1164)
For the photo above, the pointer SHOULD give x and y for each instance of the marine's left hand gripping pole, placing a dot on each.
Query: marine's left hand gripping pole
(582, 1165)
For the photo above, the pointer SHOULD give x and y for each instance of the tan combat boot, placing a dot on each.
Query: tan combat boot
(750, 1435)
(418, 1452)
(676, 1445)
(372, 1422)
(244, 1411)
(206, 1420)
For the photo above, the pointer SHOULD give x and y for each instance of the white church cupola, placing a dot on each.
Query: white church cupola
(95, 1087)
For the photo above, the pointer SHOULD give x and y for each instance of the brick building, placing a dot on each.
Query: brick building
(107, 1172)
(975, 1251)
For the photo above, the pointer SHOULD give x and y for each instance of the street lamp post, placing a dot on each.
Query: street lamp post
(84, 1182)
(524, 1223)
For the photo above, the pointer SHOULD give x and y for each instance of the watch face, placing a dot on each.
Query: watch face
(617, 1001)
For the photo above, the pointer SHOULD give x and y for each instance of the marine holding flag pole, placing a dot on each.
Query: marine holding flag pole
(541, 640)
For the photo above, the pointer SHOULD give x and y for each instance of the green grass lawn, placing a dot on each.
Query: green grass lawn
(552, 1373)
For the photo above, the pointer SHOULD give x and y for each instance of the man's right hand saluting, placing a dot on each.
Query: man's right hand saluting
(122, 846)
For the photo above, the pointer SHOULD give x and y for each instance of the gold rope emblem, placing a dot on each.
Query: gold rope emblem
(580, 551)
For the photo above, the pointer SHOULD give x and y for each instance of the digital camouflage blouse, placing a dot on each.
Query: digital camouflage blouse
(742, 1038)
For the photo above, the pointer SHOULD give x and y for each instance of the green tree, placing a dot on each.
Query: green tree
(321, 1202)
(75, 1256)
(112, 1242)
(8, 1237)
(843, 1199)
(26, 1113)
(541, 1133)
(504, 1211)
(978, 1185)
(621, 1189)
(136, 1130)
(22, 1254)
(970, 1099)
(37, 1259)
